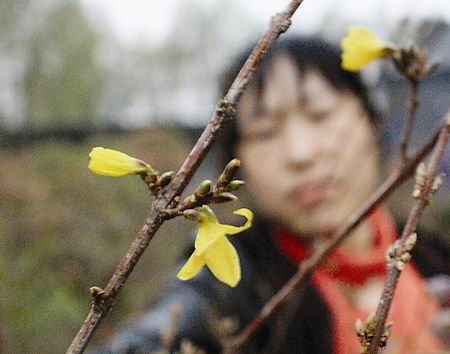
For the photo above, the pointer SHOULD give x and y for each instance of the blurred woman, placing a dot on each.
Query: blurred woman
(308, 140)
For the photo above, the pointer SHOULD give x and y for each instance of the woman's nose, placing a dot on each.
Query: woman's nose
(300, 142)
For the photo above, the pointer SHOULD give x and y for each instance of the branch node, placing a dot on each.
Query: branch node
(189, 201)
(174, 202)
(421, 172)
(169, 213)
(366, 332)
(96, 293)
(225, 109)
(400, 253)
(281, 21)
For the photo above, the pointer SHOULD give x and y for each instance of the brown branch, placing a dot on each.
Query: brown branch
(409, 121)
(423, 199)
(103, 300)
(307, 267)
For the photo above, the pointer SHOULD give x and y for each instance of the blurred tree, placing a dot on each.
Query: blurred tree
(62, 82)
(177, 79)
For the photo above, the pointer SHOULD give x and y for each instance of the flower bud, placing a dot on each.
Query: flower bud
(228, 173)
(204, 188)
(107, 162)
(192, 214)
(225, 197)
(235, 185)
(165, 178)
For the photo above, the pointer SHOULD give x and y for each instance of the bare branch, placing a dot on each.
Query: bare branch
(103, 302)
(427, 188)
(409, 121)
(307, 267)
(414, 65)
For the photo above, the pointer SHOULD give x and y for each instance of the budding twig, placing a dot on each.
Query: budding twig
(414, 65)
(365, 332)
(409, 121)
(224, 111)
(209, 193)
(427, 185)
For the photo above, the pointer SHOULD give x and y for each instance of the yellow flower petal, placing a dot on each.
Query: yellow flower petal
(360, 47)
(232, 230)
(213, 248)
(210, 229)
(191, 268)
(207, 234)
(107, 162)
(223, 261)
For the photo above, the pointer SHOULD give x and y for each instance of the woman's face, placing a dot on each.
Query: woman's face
(309, 153)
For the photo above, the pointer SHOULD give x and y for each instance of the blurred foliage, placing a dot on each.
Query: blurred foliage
(51, 74)
(63, 229)
(62, 81)
(61, 65)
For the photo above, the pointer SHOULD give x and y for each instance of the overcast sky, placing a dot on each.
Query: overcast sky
(137, 21)
(147, 23)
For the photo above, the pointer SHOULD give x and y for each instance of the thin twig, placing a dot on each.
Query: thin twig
(307, 267)
(103, 301)
(422, 201)
(409, 121)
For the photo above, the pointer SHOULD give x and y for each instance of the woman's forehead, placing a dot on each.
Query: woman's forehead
(285, 86)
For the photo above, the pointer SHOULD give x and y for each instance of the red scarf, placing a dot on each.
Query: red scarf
(412, 307)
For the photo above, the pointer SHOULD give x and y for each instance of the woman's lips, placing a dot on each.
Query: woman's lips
(313, 192)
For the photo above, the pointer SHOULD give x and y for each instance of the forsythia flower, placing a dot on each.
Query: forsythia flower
(360, 47)
(107, 162)
(213, 249)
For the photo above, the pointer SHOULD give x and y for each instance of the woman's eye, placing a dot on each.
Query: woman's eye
(261, 128)
(320, 116)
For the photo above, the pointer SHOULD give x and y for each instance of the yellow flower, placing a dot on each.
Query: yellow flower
(360, 47)
(107, 162)
(213, 249)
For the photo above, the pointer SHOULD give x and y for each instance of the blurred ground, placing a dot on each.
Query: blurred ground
(64, 229)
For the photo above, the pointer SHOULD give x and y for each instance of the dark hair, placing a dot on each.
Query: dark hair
(307, 53)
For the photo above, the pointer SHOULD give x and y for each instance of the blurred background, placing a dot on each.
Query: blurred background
(142, 77)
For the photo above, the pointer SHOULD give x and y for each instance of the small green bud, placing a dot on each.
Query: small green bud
(235, 185)
(204, 188)
(165, 178)
(228, 173)
(225, 197)
(192, 214)
(150, 178)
